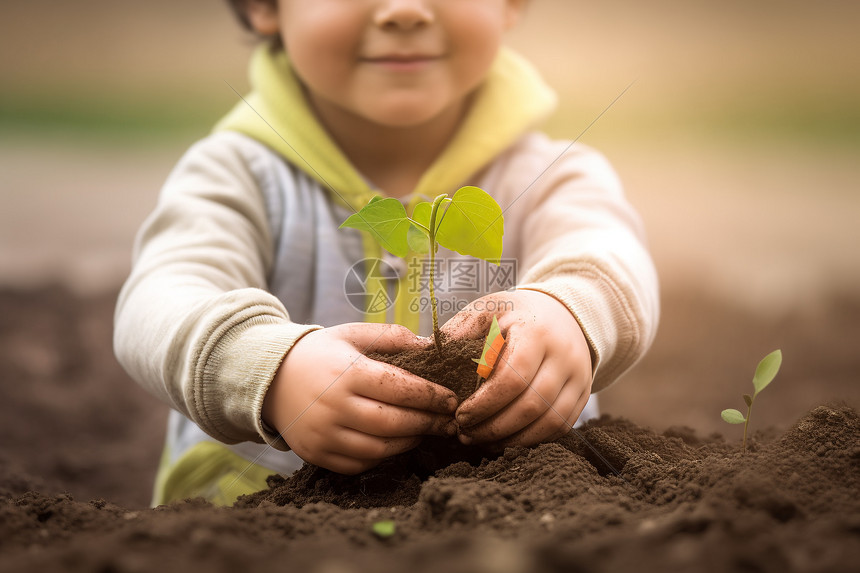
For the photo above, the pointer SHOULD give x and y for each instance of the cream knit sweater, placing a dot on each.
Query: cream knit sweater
(242, 257)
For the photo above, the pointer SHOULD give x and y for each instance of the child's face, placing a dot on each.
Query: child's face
(397, 63)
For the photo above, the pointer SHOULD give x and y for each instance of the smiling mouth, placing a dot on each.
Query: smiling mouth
(402, 62)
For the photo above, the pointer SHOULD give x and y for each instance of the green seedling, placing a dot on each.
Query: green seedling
(765, 372)
(469, 222)
(384, 529)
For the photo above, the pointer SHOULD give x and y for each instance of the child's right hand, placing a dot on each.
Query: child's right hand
(340, 410)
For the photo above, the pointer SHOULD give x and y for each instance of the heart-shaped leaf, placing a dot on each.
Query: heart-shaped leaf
(386, 220)
(472, 224)
(418, 239)
(421, 213)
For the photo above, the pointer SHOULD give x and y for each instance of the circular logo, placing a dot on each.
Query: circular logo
(361, 294)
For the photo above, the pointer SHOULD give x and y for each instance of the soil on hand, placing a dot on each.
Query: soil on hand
(452, 368)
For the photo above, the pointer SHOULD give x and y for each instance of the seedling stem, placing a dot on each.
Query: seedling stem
(434, 209)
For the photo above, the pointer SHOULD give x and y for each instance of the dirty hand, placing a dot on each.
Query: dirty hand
(541, 380)
(340, 410)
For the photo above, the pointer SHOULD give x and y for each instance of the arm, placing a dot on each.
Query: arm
(584, 245)
(586, 306)
(193, 323)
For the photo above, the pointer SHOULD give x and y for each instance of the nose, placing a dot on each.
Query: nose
(403, 14)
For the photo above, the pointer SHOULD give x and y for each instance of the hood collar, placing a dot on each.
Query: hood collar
(511, 101)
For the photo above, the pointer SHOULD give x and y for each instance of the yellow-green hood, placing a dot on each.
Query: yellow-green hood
(512, 100)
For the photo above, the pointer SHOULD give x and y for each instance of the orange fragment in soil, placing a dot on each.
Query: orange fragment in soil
(491, 356)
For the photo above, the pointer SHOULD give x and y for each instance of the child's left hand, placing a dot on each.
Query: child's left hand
(542, 379)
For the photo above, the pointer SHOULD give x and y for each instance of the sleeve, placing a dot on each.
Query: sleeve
(583, 243)
(194, 324)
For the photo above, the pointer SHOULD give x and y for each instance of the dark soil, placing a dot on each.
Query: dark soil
(613, 496)
(677, 503)
(452, 367)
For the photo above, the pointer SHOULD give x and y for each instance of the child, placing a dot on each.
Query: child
(236, 311)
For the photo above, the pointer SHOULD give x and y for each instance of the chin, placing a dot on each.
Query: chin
(406, 116)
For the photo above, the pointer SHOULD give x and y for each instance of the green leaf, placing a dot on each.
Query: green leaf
(384, 529)
(748, 400)
(766, 370)
(421, 213)
(386, 220)
(418, 240)
(472, 225)
(732, 416)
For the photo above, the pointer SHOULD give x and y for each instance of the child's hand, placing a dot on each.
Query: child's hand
(541, 380)
(342, 411)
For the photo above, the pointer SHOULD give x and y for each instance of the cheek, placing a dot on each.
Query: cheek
(322, 47)
(476, 39)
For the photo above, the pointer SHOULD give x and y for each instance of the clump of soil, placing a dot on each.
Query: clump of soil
(452, 368)
(678, 502)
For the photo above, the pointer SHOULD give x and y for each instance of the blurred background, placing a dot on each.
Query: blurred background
(737, 141)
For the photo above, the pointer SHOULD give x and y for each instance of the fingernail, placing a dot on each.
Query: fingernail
(465, 440)
(452, 403)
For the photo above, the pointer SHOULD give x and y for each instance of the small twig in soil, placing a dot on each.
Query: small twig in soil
(494, 476)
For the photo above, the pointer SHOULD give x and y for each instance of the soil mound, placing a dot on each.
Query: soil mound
(611, 497)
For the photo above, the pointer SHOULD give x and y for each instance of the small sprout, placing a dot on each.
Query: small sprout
(765, 372)
(383, 529)
(470, 222)
(492, 348)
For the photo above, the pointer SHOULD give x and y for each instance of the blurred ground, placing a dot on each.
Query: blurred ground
(737, 141)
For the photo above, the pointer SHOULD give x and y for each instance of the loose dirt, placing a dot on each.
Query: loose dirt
(614, 496)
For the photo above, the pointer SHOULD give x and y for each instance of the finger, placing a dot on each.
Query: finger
(468, 324)
(382, 338)
(355, 444)
(556, 422)
(342, 464)
(392, 385)
(572, 421)
(518, 363)
(527, 407)
(387, 421)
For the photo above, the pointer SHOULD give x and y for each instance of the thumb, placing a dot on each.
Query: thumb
(382, 338)
(468, 324)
